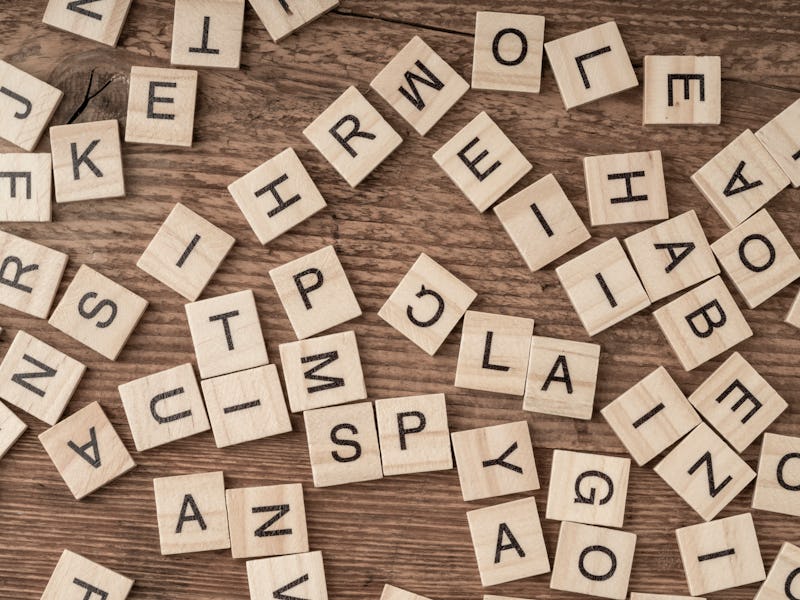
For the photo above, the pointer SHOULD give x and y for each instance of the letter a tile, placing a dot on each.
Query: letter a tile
(79, 577)
(287, 577)
(26, 106)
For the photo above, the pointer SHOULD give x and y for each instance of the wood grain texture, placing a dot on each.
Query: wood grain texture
(410, 531)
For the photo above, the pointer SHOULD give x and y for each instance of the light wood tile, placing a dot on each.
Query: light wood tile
(391, 592)
(283, 17)
(11, 429)
(783, 580)
(682, 90)
(79, 577)
(778, 483)
(207, 33)
(25, 187)
(26, 106)
(294, 576)
(782, 140)
(99, 22)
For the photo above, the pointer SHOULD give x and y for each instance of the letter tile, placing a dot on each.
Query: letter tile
(26, 106)
(11, 428)
(395, 593)
(778, 483)
(682, 90)
(99, 22)
(283, 17)
(25, 187)
(781, 137)
(783, 581)
(287, 577)
(79, 577)
(207, 33)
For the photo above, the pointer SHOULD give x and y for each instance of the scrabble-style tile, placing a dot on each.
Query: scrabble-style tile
(391, 592)
(283, 17)
(11, 428)
(482, 161)
(793, 316)
(87, 161)
(508, 541)
(26, 106)
(783, 581)
(98, 312)
(561, 378)
(164, 407)
(29, 275)
(602, 286)
(427, 304)
(79, 577)
(625, 188)
(593, 560)
(37, 378)
(322, 371)
(542, 222)
(738, 402)
(343, 444)
(246, 405)
(720, 555)
(25, 187)
(277, 195)
(191, 511)
(778, 482)
(353, 136)
(207, 33)
(672, 256)
(494, 353)
(705, 472)
(293, 576)
(588, 488)
(495, 461)
(315, 292)
(86, 450)
(591, 64)
(508, 52)
(758, 258)
(682, 90)
(161, 106)
(702, 323)
(86, 18)
(226, 334)
(267, 521)
(651, 416)
(781, 138)
(740, 179)
(419, 85)
(186, 252)
(414, 435)
(640, 596)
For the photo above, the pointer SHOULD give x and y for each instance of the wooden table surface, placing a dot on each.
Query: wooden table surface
(410, 531)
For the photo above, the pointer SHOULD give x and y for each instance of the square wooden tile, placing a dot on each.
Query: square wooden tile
(588, 488)
(495, 461)
(593, 560)
(20, 124)
(226, 333)
(651, 416)
(542, 222)
(508, 541)
(784, 576)
(86, 450)
(682, 90)
(87, 161)
(267, 521)
(277, 195)
(37, 378)
(508, 52)
(11, 428)
(353, 136)
(420, 85)
(740, 179)
(246, 405)
(283, 17)
(720, 555)
(494, 353)
(391, 592)
(161, 106)
(293, 576)
(702, 323)
(29, 275)
(192, 515)
(101, 23)
(414, 435)
(79, 577)
(705, 472)
(793, 316)
(482, 161)
(25, 187)
(427, 304)
(207, 33)
(602, 286)
(778, 481)
(343, 444)
(164, 407)
(782, 140)
(758, 258)
(98, 312)
(322, 371)
(640, 596)
(186, 252)
(315, 292)
(590, 64)
(561, 379)
(625, 188)
(672, 256)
